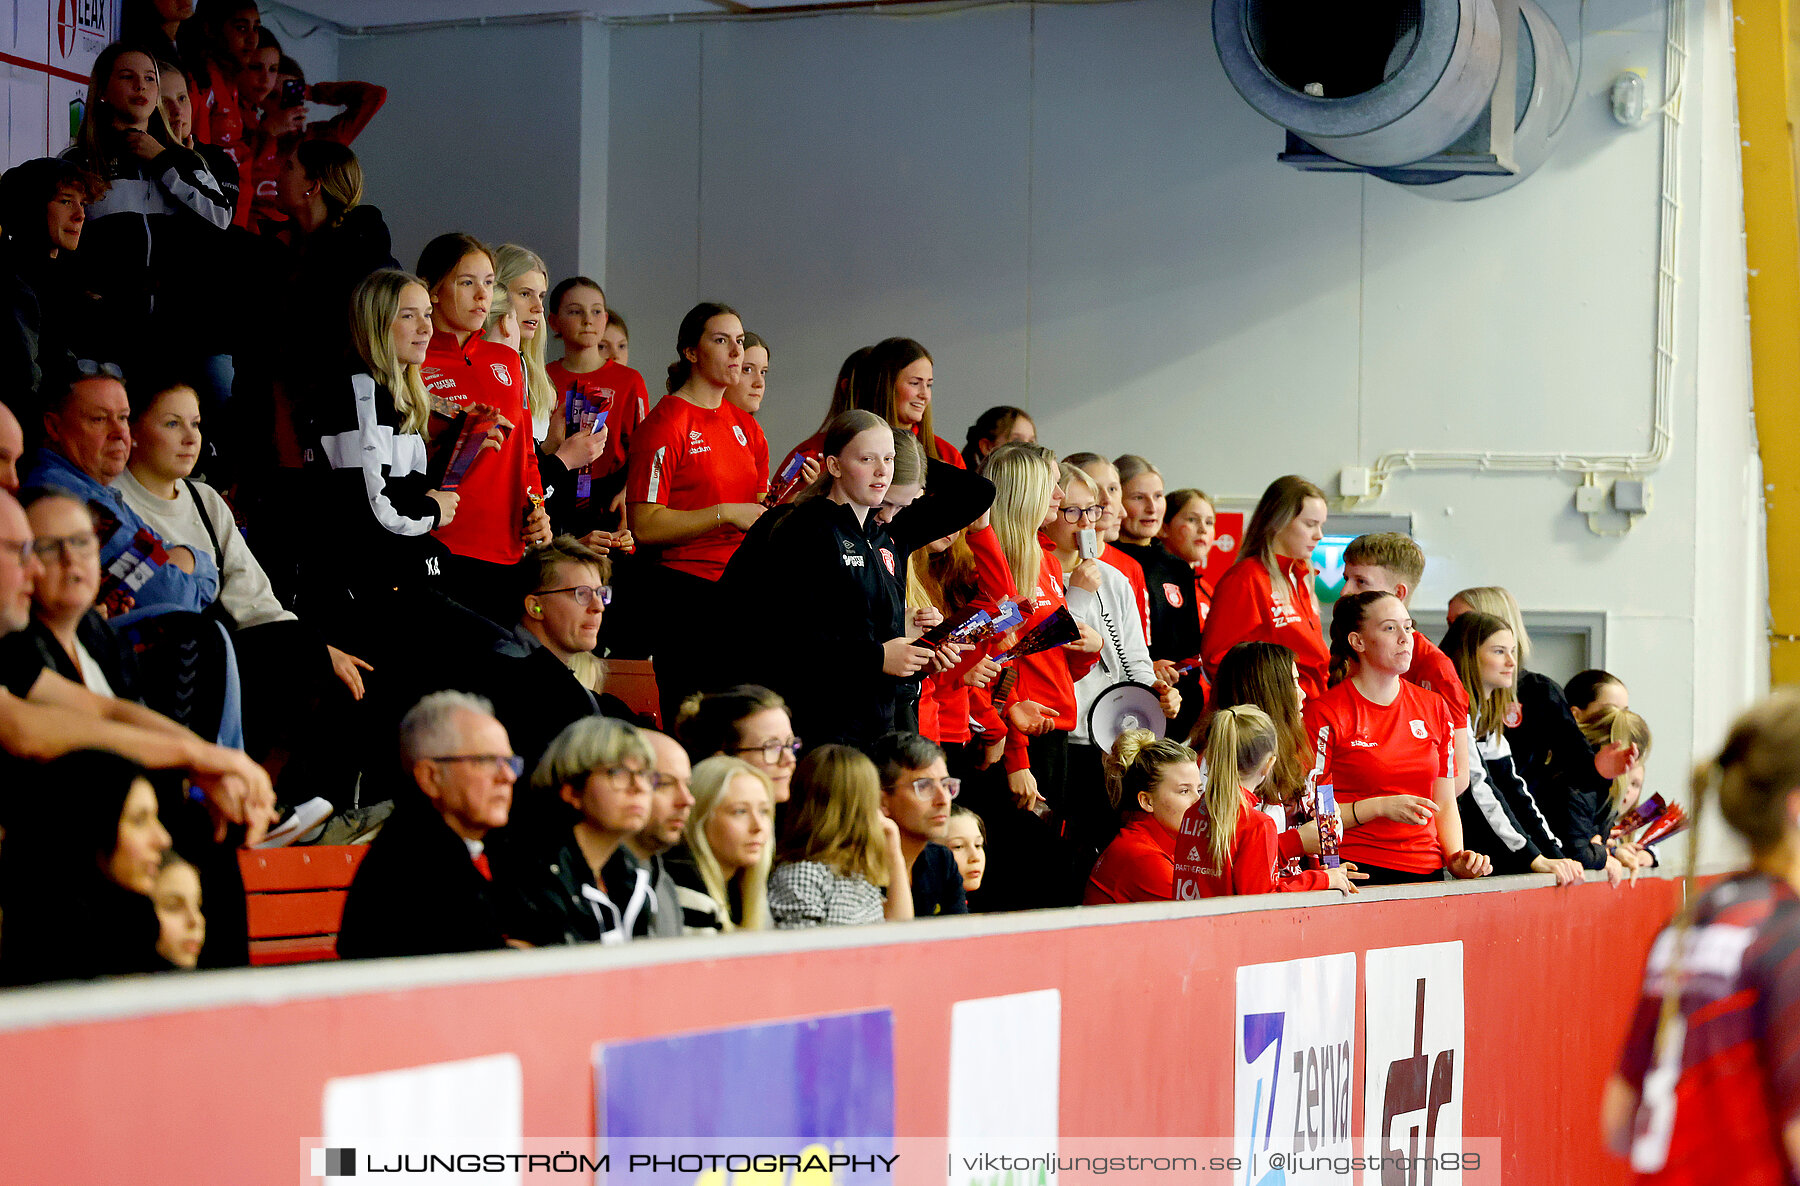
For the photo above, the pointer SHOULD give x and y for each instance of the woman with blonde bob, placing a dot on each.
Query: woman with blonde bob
(838, 850)
(567, 876)
(1709, 1052)
(1267, 596)
(724, 883)
(380, 502)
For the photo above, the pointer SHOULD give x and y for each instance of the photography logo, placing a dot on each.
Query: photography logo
(334, 1163)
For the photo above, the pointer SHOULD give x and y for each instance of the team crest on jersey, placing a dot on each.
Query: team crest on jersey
(501, 373)
(887, 558)
(1418, 728)
(1515, 712)
(1173, 593)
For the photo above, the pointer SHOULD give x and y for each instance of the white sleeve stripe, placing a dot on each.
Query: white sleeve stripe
(368, 447)
(197, 199)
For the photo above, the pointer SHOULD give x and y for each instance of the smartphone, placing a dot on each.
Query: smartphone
(293, 92)
(1087, 544)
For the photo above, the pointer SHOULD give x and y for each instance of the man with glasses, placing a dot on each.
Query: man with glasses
(87, 441)
(670, 802)
(425, 887)
(916, 792)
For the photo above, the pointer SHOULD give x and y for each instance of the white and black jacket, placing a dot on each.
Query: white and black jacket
(1500, 816)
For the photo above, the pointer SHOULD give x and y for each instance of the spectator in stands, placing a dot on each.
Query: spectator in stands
(1112, 497)
(1549, 749)
(892, 379)
(87, 442)
(338, 242)
(1174, 618)
(722, 871)
(43, 311)
(916, 793)
(228, 34)
(615, 343)
(503, 496)
(155, 25)
(749, 722)
(1588, 812)
(1390, 562)
(1101, 597)
(826, 574)
(1234, 833)
(966, 838)
(1592, 690)
(281, 127)
(77, 642)
(838, 852)
(380, 500)
(993, 428)
(1152, 782)
(1189, 525)
(425, 886)
(12, 449)
(950, 713)
(44, 715)
(693, 490)
(79, 879)
(149, 249)
(176, 88)
(1386, 736)
(178, 912)
(746, 395)
(579, 316)
(257, 80)
(1268, 595)
(574, 880)
(1500, 816)
(671, 801)
(1716, 1012)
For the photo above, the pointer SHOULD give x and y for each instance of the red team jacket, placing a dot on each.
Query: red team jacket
(1244, 609)
(1396, 749)
(501, 482)
(1138, 866)
(627, 403)
(1252, 865)
(687, 457)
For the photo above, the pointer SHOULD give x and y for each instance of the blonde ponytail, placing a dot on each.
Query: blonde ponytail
(1240, 739)
(1136, 762)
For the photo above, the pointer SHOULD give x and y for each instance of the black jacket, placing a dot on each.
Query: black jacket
(1500, 816)
(418, 892)
(548, 896)
(1174, 630)
(324, 269)
(822, 594)
(1557, 764)
(46, 322)
(117, 660)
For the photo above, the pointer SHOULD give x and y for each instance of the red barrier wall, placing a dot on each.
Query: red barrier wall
(217, 1078)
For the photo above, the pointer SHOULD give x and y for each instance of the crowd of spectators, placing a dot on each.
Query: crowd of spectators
(360, 579)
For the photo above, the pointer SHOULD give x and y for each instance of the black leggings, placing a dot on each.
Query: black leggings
(1382, 876)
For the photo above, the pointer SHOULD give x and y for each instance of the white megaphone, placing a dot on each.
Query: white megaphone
(1121, 707)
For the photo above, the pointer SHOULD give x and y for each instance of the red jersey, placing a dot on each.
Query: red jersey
(1048, 677)
(686, 457)
(626, 399)
(1432, 670)
(1134, 572)
(361, 101)
(501, 482)
(219, 121)
(1371, 749)
(1244, 609)
(759, 444)
(1252, 864)
(1713, 1102)
(1138, 866)
(1203, 594)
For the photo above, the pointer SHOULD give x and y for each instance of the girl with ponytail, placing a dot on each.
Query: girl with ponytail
(1234, 830)
(1375, 734)
(1153, 781)
(1267, 596)
(1706, 1089)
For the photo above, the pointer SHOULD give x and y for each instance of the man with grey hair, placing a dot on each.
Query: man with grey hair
(425, 887)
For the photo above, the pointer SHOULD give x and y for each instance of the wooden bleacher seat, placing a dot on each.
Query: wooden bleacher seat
(295, 899)
(634, 682)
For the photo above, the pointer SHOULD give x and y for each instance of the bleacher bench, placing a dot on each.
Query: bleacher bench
(295, 900)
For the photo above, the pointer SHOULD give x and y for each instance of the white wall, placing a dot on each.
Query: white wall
(1073, 209)
(490, 131)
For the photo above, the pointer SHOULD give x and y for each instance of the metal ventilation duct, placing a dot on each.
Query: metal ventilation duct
(1459, 98)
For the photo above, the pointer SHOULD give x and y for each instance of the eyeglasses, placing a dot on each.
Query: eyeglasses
(927, 788)
(624, 774)
(584, 594)
(494, 762)
(772, 750)
(87, 368)
(1081, 514)
(72, 547)
(23, 548)
(665, 782)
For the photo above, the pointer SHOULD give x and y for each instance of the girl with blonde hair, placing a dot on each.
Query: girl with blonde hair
(1267, 596)
(838, 850)
(723, 885)
(1153, 782)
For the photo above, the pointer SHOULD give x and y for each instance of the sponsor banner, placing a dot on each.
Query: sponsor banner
(1005, 1080)
(1413, 1051)
(447, 1104)
(1294, 1087)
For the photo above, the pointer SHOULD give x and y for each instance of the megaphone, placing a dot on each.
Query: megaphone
(1121, 707)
